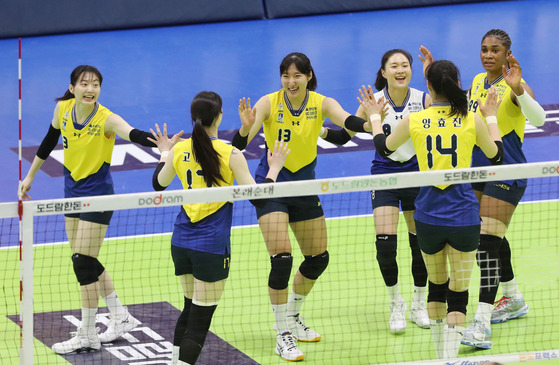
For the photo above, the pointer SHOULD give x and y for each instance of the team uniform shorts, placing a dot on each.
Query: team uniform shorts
(299, 208)
(95, 217)
(204, 266)
(393, 197)
(432, 238)
(501, 190)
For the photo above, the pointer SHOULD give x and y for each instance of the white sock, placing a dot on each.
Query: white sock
(452, 338)
(294, 305)
(175, 358)
(114, 305)
(483, 313)
(88, 321)
(510, 289)
(437, 333)
(280, 313)
(419, 293)
(393, 292)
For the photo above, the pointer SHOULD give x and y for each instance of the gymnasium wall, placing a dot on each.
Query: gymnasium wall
(23, 18)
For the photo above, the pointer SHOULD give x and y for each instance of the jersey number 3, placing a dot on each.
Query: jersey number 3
(451, 151)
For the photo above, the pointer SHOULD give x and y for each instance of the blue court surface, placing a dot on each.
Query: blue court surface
(151, 75)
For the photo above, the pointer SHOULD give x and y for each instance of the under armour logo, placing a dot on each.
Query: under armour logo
(295, 123)
(396, 117)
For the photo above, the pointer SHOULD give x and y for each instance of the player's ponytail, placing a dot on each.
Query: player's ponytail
(380, 82)
(303, 65)
(444, 78)
(75, 77)
(204, 109)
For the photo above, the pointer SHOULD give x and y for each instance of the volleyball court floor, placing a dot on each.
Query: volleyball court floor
(151, 76)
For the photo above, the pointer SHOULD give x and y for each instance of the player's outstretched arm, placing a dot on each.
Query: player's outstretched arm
(47, 145)
(523, 95)
(165, 171)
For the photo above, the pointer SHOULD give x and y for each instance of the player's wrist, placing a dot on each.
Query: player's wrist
(374, 117)
(491, 119)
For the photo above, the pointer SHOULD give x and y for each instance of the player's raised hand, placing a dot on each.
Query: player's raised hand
(492, 103)
(369, 103)
(161, 140)
(426, 58)
(278, 157)
(513, 77)
(246, 113)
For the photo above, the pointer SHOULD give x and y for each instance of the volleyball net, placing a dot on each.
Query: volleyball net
(348, 306)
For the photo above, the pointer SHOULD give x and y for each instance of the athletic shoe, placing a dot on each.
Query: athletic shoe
(301, 332)
(398, 316)
(418, 314)
(80, 342)
(118, 326)
(477, 335)
(287, 349)
(508, 308)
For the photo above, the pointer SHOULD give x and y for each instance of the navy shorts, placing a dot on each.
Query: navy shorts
(501, 190)
(300, 208)
(205, 266)
(393, 197)
(95, 217)
(432, 239)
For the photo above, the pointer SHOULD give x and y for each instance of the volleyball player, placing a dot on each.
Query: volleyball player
(498, 199)
(200, 245)
(88, 132)
(294, 114)
(392, 83)
(446, 216)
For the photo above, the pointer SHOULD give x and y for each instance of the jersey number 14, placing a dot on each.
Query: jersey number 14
(450, 151)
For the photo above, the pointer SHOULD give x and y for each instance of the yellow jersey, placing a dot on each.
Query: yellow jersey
(86, 148)
(441, 141)
(190, 173)
(300, 128)
(509, 115)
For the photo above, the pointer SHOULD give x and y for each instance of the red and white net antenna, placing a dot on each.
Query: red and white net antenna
(20, 205)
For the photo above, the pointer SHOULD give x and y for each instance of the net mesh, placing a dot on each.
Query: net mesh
(349, 305)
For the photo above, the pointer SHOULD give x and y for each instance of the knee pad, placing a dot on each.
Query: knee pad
(199, 322)
(281, 271)
(313, 266)
(86, 268)
(387, 245)
(418, 269)
(507, 273)
(437, 292)
(457, 301)
(182, 322)
(488, 251)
